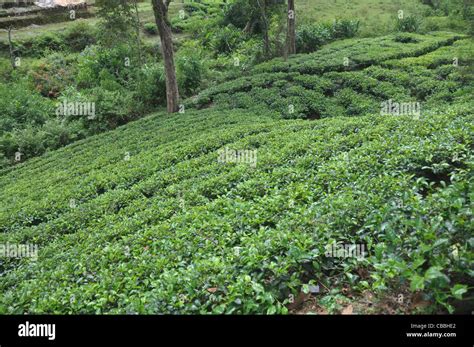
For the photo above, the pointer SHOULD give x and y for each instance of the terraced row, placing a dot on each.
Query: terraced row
(353, 78)
(162, 234)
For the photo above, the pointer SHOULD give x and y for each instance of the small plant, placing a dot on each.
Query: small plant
(79, 36)
(227, 40)
(191, 70)
(409, 24)
(345, 28)
(310, 37)
(150, 28)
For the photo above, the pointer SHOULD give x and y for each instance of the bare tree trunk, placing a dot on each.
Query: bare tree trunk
(137, 28)
(291, 35)
(266, 41)
(160, 9)
(10, 45)
(248, 27)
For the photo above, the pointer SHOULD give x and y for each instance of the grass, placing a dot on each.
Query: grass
(377, 17)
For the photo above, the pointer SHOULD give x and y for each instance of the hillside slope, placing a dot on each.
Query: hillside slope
(149, 219)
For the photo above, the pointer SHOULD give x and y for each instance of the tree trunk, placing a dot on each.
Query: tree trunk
(10, 46)
(160, 9)
(291, 35)
(266, 40)
(137, 28)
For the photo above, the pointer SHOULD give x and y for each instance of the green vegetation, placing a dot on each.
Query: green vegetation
(320, 84)
(379, 17)
(159, 225)
(135, 211)
(101, 65)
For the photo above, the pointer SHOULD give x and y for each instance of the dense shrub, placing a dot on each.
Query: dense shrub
(238, 13)
(73, 39)
(113, 108)
(7, 74)
(150, 87)
(58, 133)
(310, 37)
(119, 62)
(35, 140)
(408, 24)
(190, 69)
(79, 35)
(150, 28)
(21, 105)
(227, 39)
(52, 75)
(45, 43)
(345, 28)
(4, 162)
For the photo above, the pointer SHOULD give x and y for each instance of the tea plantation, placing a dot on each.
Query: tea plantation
(146, 219)
(353, 77)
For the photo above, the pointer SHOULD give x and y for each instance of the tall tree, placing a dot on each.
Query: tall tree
(118, 24)
(256, 16)
(291, 34)
(160, 9)
(137, 29)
